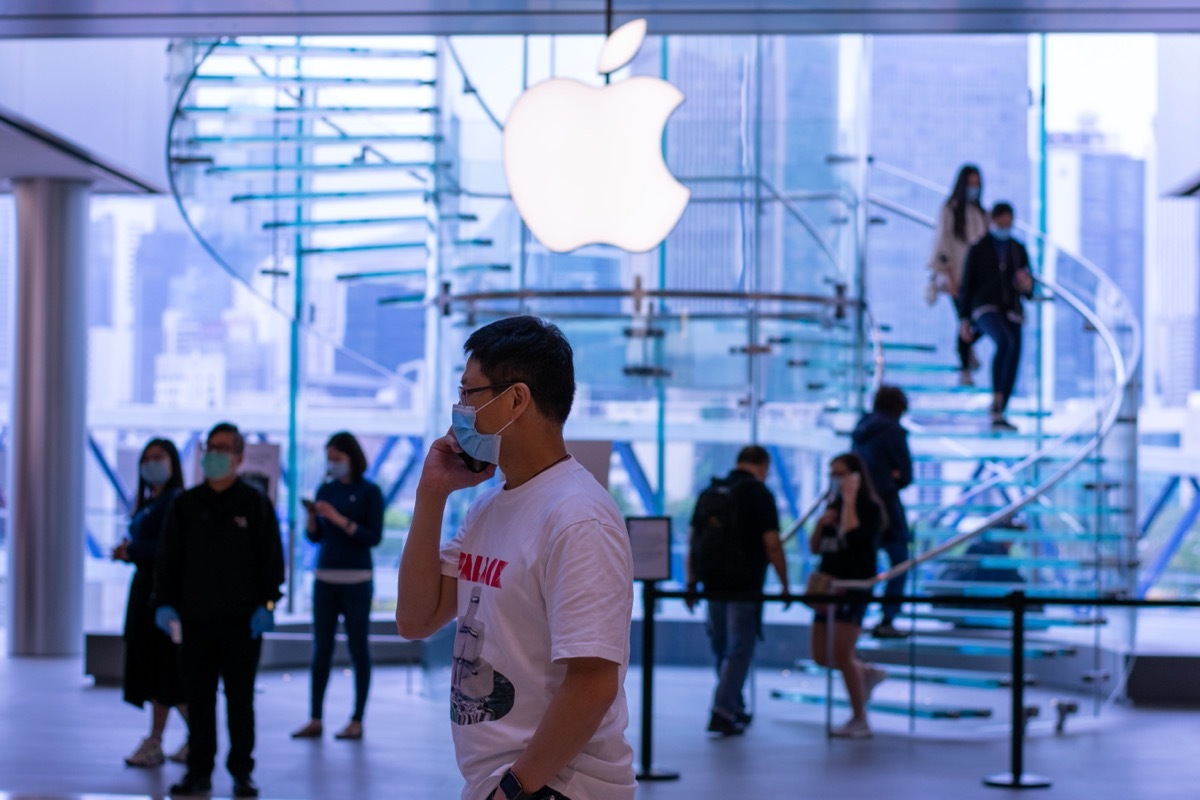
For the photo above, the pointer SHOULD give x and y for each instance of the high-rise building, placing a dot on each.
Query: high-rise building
(1172, 367)
(1097, 204)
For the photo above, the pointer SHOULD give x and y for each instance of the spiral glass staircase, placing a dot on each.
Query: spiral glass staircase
(307, 166)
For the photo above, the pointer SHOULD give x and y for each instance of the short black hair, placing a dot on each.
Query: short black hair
(531, 351)
(890, 400)
(344, 442)
(1003, 208)
(754, 454)
(239, 441)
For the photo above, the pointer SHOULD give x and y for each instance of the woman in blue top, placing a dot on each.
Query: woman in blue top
(346, 520)
(151, 660)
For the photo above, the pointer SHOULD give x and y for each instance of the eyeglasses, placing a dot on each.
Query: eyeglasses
(464, 393)
(217, 448)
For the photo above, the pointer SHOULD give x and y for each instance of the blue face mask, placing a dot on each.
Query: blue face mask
(973, 194)
(156, 471)
(1003, 234)
(337, 469)
(216, 465)
(480, 446)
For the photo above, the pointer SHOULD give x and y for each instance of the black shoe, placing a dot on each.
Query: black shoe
(1001, 424)
(719, 723)
(192, 785)
(744, 719)
(244, 787)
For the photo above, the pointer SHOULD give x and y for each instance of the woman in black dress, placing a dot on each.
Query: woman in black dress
(847, 538)
(151, 659)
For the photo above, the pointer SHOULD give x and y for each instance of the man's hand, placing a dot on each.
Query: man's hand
(261, 621)
(964, 331)
(444, 470)
(163, 617)
(121, 551)
(1023, 281)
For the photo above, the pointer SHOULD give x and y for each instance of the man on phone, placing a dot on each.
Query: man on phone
(540, 577)
(995, 278)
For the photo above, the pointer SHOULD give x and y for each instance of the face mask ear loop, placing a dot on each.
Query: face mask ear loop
(489, 402)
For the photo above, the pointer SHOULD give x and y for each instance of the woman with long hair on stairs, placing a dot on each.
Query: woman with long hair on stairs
(962, 223)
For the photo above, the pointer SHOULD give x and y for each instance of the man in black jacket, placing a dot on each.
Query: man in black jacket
(882, 443)
(995, 278)
(219, 568)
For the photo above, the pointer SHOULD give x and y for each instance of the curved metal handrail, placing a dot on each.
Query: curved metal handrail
(177, 113)
(1124, 368)
(1107, 421)
(1134, 353)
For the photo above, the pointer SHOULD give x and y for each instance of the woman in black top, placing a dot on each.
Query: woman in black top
(346, 520)
(847, 537)
(151, 658)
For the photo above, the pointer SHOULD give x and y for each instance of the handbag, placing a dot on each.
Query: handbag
(819, 583)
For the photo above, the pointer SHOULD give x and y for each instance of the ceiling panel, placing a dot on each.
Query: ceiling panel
(198, 18)
(27, 151)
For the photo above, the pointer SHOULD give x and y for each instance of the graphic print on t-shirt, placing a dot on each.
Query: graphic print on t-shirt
(478, 693)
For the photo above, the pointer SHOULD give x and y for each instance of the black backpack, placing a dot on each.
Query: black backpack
(719, 558)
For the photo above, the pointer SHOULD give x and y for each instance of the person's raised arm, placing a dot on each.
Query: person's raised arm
(425, 599)
(774, 547)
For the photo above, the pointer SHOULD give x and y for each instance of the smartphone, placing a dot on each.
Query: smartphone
(473, 464)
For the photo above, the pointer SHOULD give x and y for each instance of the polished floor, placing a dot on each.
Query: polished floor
(61, 737)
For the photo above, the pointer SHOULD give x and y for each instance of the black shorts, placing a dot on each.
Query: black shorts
(850, 610)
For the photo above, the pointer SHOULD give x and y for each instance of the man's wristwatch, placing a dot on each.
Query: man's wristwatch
(511, 788)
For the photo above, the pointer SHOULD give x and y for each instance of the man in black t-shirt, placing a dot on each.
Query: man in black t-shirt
(733, 626)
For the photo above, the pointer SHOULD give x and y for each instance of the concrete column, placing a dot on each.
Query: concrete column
(46, 544)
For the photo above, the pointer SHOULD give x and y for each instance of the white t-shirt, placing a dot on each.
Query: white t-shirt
(544, 574)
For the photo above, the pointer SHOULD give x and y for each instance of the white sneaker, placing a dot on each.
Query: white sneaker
(148, 754)
(854, 729)
(873, 676)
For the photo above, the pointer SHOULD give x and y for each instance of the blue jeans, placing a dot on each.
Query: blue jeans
(1007, 336)
(733, 632)
(897, 552)
(351, 602)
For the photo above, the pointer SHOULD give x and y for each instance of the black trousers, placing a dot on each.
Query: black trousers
(220, 650)
(352, 602)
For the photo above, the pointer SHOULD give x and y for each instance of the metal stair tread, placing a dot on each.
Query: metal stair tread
(273, 111)
(967, 646)
(921, 710)
(1003, 618)
(948, 676)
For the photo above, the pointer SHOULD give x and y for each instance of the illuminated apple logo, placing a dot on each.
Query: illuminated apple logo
(585, 166)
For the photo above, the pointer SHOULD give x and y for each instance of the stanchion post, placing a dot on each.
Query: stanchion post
(1016, 777)
(647, 772)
